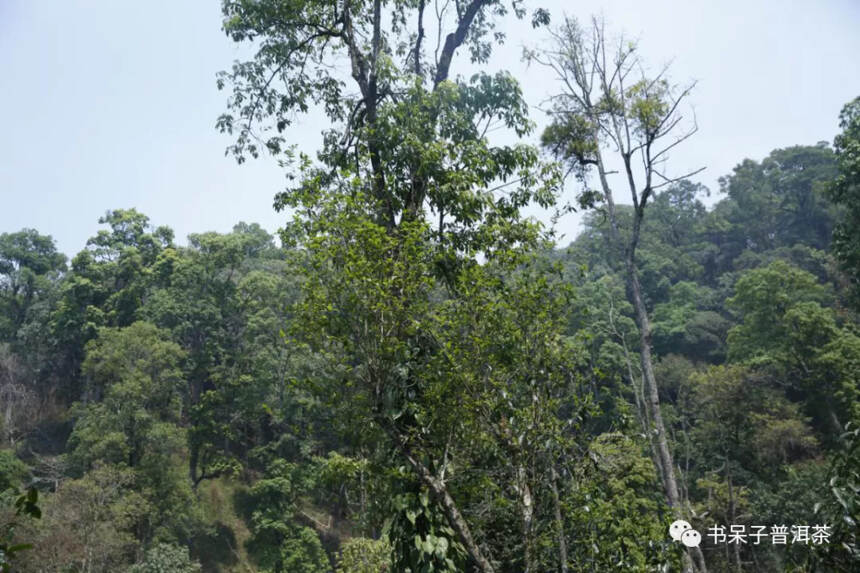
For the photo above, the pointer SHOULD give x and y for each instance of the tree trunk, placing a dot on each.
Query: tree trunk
(449, 506)
(667, 463)
(527, 514)
(559, 522)
(664, 462)
(670, 484)
(642, 413)
(732, 515)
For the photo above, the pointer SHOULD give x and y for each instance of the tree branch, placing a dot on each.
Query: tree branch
(456, 38)
(419, 39)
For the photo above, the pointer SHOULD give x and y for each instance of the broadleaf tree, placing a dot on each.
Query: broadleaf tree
(419, 277)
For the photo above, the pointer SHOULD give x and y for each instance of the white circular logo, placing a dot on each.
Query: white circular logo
(677, 529)
(691, 538)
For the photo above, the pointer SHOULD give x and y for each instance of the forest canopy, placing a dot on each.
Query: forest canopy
(413, 375)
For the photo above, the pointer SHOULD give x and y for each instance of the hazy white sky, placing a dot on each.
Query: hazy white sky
(111, 103)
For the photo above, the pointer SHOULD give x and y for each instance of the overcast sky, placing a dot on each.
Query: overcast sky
(111, 103)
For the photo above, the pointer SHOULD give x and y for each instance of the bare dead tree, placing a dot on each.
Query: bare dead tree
(18, 402)
(610, 110)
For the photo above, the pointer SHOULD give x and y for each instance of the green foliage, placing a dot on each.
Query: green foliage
(476, 361)
(613, 510)
(225, 299)
(302, 552)
(26, 505)
(740, 419)
(13, 472)
(422, 342)
(845, 190)
(842, 507)
(355, 486)
(277, 84)
(362, 555)
(165, 558)
(786, 329)
(28, 263)
(686, 325)
(417, 381)
(134, 375)
(279, 543)
(91, 522)
(421, 539)
(763, 297)
(570, 139)
(792, 499)
(782, 200)
(105, 288)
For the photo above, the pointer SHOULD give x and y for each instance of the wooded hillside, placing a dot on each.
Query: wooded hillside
(414, 376)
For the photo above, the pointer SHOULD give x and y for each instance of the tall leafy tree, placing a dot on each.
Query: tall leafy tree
(781, 200)
(225, 298)
(131, 419)
(846, 189)
(27, 262)
(278, 543)
(407, 195)
(106, 287)
(786, 329)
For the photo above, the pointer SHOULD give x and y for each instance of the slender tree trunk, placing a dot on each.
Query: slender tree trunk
(192, 465)
(642, 414)
(559, 521)
(527, 514)
(652, 399)
(454, 517)
(663, 460)
(732, 512)
(7, 422)
(670, 483)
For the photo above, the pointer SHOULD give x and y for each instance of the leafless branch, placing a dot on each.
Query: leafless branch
(670, 180)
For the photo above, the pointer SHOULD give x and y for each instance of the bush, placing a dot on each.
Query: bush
(12, 470)
(165, 558)
(362, 555)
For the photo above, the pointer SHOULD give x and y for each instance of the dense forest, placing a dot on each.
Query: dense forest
(414, 376)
